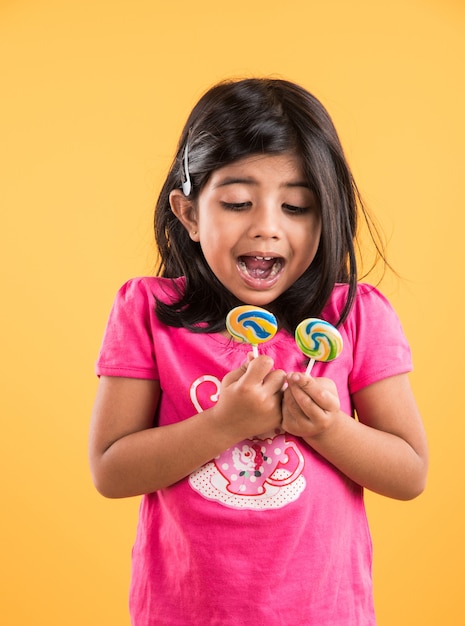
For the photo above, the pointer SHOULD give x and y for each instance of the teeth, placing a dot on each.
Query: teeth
(275, 269)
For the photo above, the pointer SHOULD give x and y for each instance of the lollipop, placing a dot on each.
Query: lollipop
(319, 340)
(251, 324)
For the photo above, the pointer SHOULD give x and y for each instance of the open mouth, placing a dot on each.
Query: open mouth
(260, 267)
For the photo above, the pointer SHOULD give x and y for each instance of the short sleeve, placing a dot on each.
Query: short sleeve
(380, 348)
(128, 348)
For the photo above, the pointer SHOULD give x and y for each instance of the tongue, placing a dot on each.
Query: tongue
(258, 268)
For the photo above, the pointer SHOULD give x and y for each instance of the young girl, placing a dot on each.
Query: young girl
(253, 472)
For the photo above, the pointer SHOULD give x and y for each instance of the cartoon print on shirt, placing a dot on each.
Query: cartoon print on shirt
(261, 473)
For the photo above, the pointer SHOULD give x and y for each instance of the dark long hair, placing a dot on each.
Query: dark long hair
(233, 120)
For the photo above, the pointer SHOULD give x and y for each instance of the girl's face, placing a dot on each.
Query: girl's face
(258, 224)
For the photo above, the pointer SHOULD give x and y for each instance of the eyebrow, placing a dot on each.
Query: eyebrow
(231, 180)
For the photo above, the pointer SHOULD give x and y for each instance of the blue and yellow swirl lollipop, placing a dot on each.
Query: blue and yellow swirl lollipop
(319, 340)
(251, 324)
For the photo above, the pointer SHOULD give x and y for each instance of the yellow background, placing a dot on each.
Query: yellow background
(93, 94)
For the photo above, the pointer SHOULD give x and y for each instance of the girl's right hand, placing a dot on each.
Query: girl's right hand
(250, 399)
(130, 457)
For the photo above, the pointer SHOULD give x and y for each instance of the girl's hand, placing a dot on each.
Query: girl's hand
(383, 450)
(309, 405)
(130, 457)
(250, 399)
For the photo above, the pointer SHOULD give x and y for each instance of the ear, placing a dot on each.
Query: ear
(185, 211)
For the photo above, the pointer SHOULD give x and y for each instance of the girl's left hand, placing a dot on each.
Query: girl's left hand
(309, 405)
(384, 449)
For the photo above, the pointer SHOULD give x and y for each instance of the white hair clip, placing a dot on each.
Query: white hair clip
(186, 185)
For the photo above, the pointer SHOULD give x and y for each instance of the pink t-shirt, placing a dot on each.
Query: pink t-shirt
(268, 533)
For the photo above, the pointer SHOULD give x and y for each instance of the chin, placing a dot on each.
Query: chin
(258, 299)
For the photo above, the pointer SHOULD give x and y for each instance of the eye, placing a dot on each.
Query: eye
(235, 206)
(296, 210)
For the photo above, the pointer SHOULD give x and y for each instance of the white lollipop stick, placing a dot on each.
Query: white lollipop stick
(310, 365)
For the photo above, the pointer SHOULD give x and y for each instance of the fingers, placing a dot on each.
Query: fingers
(304, 391)
(310, 405)
(307, 391)
(257, 371)
(236, 374)
(258, 368)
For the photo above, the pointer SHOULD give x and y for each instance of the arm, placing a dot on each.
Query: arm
(385, 450)
(128, 456)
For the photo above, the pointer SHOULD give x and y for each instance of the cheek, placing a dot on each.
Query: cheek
(216, 233)
(214, 247)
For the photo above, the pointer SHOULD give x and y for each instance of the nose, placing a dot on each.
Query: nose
(265, 222)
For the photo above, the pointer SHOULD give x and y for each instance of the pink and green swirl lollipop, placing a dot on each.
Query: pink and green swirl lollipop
(319, 340)
(251, 324)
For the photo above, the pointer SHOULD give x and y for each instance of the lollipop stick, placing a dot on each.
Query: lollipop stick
(311, 363)
(255, 350)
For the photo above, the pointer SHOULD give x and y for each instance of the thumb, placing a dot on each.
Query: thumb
(234, 375)
(323, 392)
